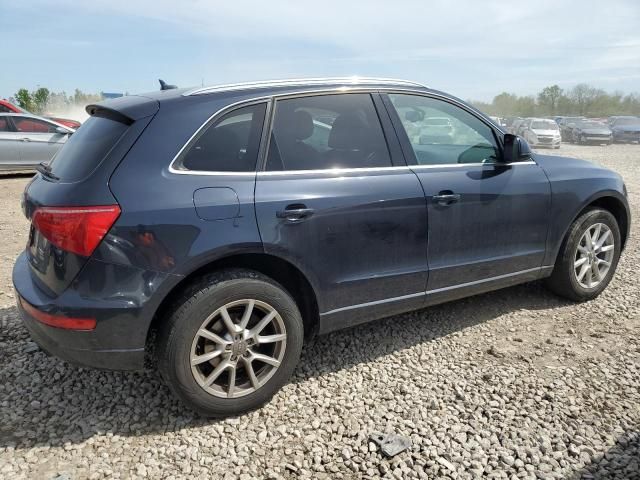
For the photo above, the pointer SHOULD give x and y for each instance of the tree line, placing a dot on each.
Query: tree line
(582, 99)
(42, 100)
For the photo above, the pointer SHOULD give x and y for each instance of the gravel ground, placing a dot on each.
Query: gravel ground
(511, 384)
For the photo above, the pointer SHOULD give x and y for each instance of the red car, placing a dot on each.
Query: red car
(8, 107)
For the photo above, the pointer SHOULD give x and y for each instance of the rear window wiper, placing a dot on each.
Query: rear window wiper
(45, 170)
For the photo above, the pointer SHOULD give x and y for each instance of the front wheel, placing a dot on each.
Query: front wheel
(588, 256)
(231, 343)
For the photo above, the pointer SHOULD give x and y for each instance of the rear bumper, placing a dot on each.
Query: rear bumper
(122, 299)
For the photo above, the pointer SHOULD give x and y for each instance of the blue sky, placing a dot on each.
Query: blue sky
(473, 49)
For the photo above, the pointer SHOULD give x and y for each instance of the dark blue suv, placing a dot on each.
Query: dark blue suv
(220, 227)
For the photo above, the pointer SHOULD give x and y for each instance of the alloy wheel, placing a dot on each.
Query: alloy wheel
(594, 255)
(238, 348)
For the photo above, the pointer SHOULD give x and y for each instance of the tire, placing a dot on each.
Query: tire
(564, 278)
(180, 343)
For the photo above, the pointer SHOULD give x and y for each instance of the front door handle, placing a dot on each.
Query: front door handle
(446, 197)
(295, 213)
(25, 139)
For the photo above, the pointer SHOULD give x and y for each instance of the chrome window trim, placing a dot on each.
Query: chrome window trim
(301, 82)
(437, 290)
(209, 121)
(270, 99)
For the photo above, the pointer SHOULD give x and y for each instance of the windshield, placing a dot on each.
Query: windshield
(544, 125)
(628, 121)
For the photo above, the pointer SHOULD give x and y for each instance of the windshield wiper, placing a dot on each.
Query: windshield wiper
(45, 170)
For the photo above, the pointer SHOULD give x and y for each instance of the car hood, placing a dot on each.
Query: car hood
(567, 167)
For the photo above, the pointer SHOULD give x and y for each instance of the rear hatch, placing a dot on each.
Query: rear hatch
(69, 202)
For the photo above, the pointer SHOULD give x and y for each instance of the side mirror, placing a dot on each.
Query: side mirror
(63, 131)
(516, 149)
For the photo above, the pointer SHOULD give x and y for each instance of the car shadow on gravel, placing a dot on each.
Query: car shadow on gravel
(45, 401)
(620, 461)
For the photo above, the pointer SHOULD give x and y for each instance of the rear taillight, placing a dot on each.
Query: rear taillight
(75, 229)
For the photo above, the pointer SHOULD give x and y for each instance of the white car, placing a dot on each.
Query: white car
(27, 140)
(542, 132)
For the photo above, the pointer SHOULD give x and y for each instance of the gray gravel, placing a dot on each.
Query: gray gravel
(511, 384)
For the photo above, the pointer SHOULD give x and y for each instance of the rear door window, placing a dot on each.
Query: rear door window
(86, 148)
(327, 132)
(33, 125)
(229, 144)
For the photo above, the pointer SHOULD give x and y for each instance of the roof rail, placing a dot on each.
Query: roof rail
(355, 80)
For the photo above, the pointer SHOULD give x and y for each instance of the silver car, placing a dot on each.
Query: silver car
(28, 140)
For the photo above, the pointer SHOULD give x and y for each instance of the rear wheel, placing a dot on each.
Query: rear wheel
(230, 344)
(588, 257)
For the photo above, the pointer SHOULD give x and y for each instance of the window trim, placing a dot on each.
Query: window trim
(376, 108)
(405, 143)
(382, 91)
(210, 121)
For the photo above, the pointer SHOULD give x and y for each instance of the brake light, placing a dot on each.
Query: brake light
(77, 230)
(58, 321)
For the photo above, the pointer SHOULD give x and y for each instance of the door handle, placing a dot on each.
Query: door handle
(446, 197)
(25, 139)
(295, 213)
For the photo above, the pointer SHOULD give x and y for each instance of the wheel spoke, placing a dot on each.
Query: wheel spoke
(579, 262)
(604, 262)
(255, 383)
(247, 314)
(205, 357)
(583, 271)
(600, 241)
(222, 366)
(212, 336)
(231, 327)
(271, 338)
(606, 248)
(232, 381)
(263, 323)
(583, 249)
(265, 359)
(596, 234)
(589, 276)
(596, 271)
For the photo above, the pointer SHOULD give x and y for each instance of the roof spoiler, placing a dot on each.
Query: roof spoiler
(125, 109)
(101, 111)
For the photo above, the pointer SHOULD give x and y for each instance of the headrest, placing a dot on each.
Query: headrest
(348, 132)
(298, 124)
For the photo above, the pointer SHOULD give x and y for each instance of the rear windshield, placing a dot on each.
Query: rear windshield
(86, 148)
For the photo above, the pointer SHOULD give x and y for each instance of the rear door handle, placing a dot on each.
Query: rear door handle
(295, 213)
(446, 198)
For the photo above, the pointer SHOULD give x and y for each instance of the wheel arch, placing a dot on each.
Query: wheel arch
(612, 201)
(282, 271)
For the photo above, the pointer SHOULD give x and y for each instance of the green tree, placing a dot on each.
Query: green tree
(548, 99)
(40, 99)
(23, 97)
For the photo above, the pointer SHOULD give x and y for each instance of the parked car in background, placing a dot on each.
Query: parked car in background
(28, 140)
(261, 238)
(8, 107)
(566, 127)
(541, 132)
(516, 126)
(591, 131)
(625, 129)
